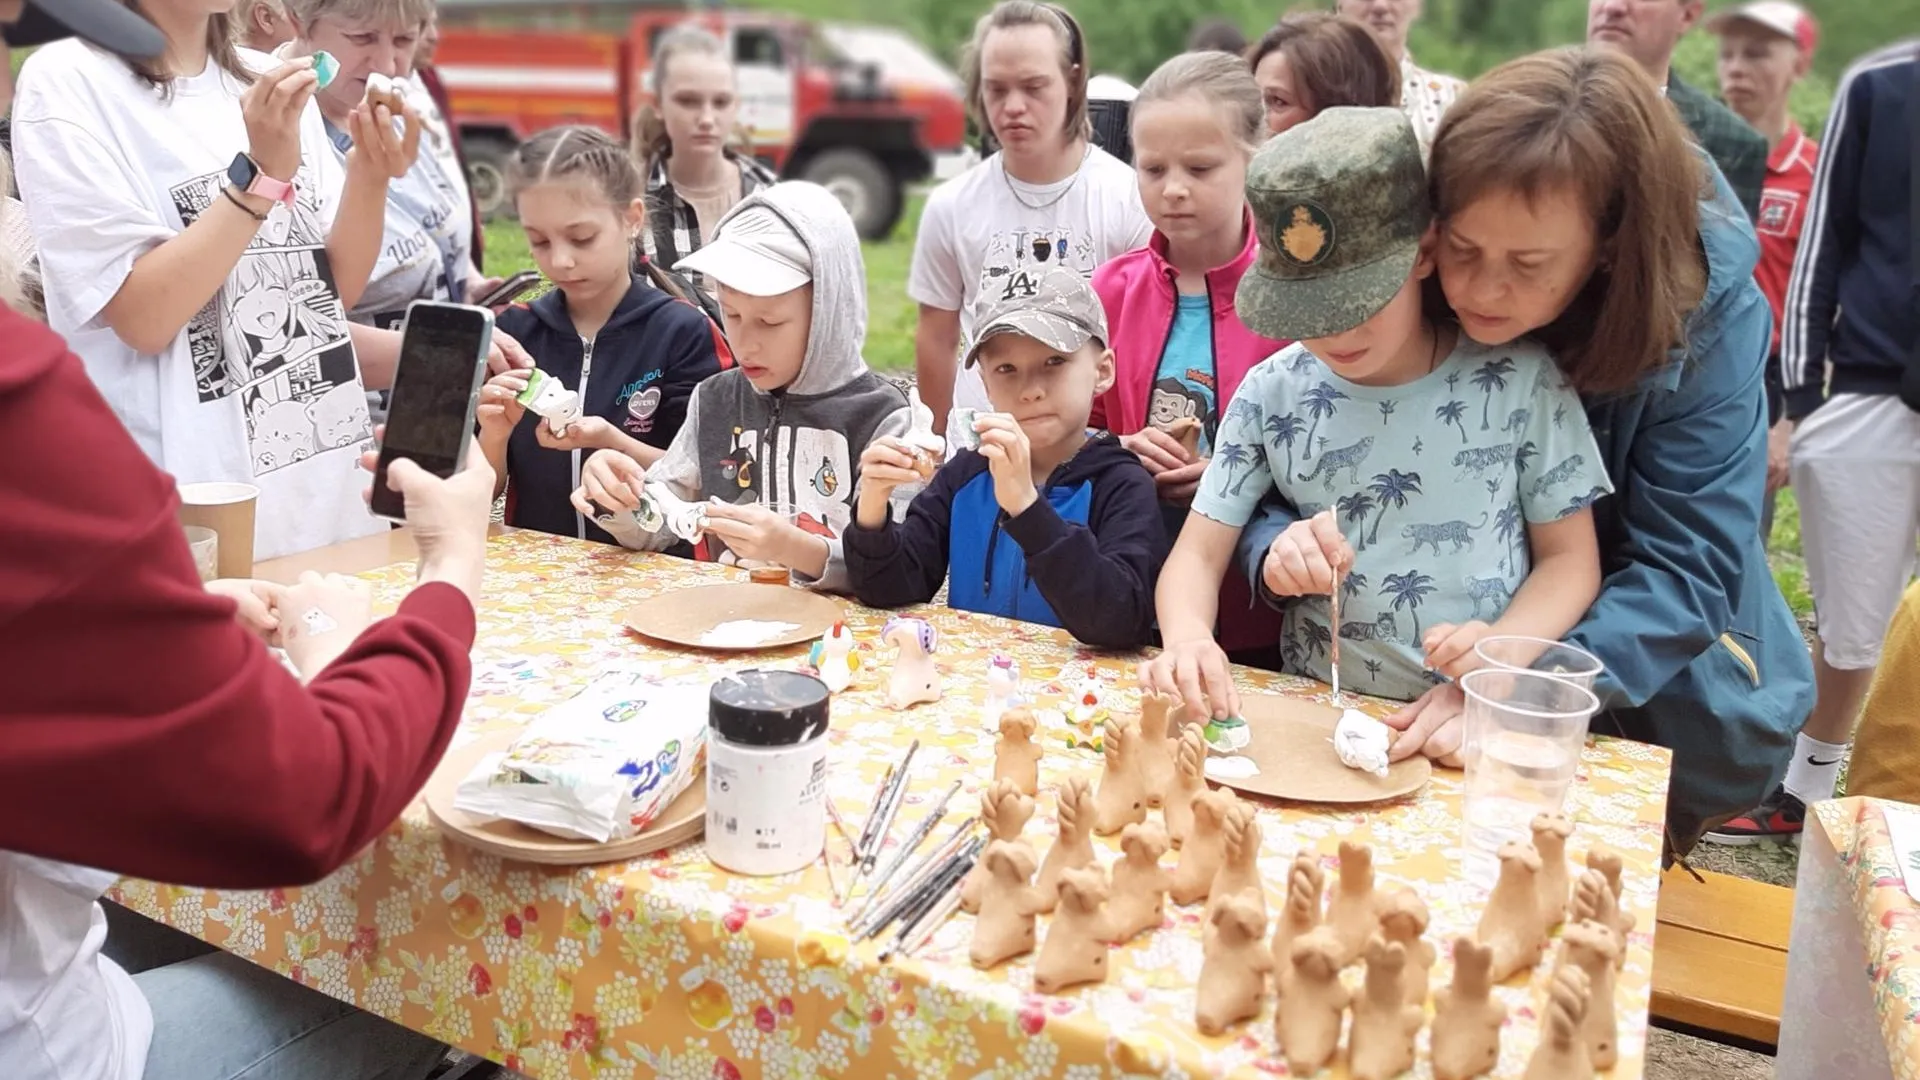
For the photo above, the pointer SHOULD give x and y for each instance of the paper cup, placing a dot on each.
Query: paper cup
(205, 545)
(227, 509)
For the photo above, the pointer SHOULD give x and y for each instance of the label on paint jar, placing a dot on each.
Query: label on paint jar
(766, 772)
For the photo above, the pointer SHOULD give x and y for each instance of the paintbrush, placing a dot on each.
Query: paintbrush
(913, 841)
(832, 882)
(1334, 611)
(840, 825)
(873, 812)
(925, 913)
(933, 921)
(889, 810)
(916, 876)
(910, 902)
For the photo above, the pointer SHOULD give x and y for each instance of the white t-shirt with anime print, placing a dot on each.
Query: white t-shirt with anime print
(984, 230)
(262, 385)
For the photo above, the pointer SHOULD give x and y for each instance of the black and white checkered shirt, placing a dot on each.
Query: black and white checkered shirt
(673, 228)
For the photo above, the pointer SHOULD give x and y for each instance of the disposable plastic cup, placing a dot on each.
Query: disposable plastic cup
(1524, 731)
(1555, 658)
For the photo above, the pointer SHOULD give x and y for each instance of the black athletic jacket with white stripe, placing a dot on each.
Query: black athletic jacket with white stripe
(1854, 298)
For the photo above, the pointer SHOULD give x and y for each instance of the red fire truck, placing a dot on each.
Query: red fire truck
(862, 110)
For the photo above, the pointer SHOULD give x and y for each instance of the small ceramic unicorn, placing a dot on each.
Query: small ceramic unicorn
(915, 678)
(659, 506)
(1003, 689)
(833, 657)
(1088, 701)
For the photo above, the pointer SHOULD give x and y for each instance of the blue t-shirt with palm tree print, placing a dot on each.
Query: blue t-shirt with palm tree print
(1434, 483)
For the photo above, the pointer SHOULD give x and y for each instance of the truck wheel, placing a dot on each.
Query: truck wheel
(863, 185)
(487, 159)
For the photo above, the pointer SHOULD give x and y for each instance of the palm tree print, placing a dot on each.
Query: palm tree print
(1318, 638)
(1391, 488)
(1489, 377)
(1320, 405)
(1355, 508)
(1386, 410)
(1353, 585)
(1408, 590)
(1450, 413)
(1559, 415)
(1506, 526)
(1453, 380)
(1282, 430)
(1234, 456)
(1527, 452)
(1373, 669)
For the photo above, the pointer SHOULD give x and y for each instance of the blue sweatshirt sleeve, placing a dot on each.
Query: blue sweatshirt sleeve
(1830, 234)
(1098, 577)
(694, 351)
(1271, 519)
(1692, 515)
(902, 563)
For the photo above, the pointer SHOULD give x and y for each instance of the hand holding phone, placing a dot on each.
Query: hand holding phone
(443, 358)
(510, 290)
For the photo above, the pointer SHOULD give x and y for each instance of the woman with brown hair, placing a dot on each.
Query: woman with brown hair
(1315, 60)
(1571, 206)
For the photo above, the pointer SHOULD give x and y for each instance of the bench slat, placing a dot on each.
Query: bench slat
(1718, 983)
(1728, 907)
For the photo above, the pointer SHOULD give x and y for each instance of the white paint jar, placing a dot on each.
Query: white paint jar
(766, 772)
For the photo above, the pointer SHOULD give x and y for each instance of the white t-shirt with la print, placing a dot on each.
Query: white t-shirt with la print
(262, 385)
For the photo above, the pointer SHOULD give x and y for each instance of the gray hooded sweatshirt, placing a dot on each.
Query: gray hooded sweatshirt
(799, 446)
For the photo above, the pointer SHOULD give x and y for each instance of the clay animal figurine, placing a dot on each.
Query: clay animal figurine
(661, 508)
(1512, 923)
(1186, 431)
(1466, 1018)
(1089, 701)
(1157, 746)
(1004, 929)
(1351, 912)
(1239, 872)
(1016, 756)
(1592, 947)
(1550, 832)
(1205, 850)
(1121, 799)
(1596, 896)
(1189, 783)
(1562, 1053)
(1074, 849)
(1233, 975)
(1312, 1002)
(833, 657)
(1403, 918)
(1306, 883)
(1075, 951)
(915, 679)
(1005, 810)
(1003, 689)
(1138, 902)
(1384, 1025)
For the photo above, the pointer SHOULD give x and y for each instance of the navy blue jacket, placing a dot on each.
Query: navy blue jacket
(638, 375)
(1853, 298)
(1083, 557)
(1702, 654)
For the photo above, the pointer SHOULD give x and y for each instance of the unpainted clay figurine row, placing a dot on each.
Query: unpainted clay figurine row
(1005, 810)
(1016, 757)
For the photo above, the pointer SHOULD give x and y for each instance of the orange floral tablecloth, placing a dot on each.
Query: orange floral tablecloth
(669, 967)
(1853, 961)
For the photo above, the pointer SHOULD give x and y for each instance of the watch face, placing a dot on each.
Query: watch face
(241, 173)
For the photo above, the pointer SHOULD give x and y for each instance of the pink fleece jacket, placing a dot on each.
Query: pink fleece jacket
(1140, 296)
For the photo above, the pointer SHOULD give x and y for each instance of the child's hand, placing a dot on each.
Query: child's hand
(1009, 461)
(1179, 485)
(257, 600)
(1198, 673)
(885, 464)
(1157, 450)
(756, 533)
(506, 354)
(611, 479)
(1449, 648)
(585, 433)
(1302, 560)
(499, 411)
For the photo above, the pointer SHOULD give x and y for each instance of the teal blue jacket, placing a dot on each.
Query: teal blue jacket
(1702, 654)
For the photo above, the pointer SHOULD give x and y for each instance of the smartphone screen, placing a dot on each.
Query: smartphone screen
(443, 357)
(511, 289)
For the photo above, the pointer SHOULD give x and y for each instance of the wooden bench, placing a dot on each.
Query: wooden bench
(1720, 957)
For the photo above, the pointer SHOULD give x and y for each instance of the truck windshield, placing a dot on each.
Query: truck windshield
(896, 54)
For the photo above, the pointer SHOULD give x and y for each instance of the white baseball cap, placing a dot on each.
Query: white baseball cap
(755, 252)
(1783, 17)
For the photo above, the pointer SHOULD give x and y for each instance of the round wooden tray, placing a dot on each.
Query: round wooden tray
(1293, 746)
(683, 616)
(684, 819)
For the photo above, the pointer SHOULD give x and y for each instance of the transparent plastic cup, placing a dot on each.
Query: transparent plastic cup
(205, 545)
(1556, 658)
(1524, 733)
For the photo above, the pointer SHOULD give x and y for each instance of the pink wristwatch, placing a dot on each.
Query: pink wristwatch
(246, 175)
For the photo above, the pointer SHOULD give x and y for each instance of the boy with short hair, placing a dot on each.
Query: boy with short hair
(1045, 521)
(771, 448)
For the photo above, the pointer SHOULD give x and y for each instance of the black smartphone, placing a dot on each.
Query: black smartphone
(443, 360)
(511, 289)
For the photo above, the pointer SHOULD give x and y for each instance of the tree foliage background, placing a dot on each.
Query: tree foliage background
(1463, 37)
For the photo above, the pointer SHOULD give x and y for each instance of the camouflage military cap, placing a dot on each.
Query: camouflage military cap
(1339, 204)
(1061, 312)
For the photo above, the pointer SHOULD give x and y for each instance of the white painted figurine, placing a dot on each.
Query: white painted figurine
(915, 678)
(1088, 700)
(659, 506)
(832, 657)
(545, 396)
(1003, 689)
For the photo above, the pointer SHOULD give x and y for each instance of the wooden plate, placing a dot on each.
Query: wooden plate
(684, 819)
(684, 616)
(1293, 745)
